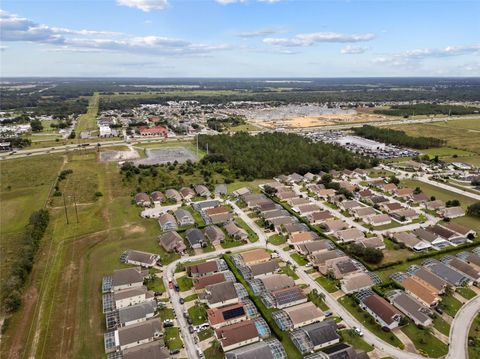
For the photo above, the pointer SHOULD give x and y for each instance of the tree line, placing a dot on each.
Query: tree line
(427, 109)
(396, 137)
(13, 284)
(270, 154)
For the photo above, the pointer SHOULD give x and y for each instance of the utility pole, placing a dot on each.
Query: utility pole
(75, 204)
(65, 208)
(197, 145)
(207, 148)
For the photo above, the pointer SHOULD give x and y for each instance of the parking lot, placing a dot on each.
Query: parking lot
(165, 155)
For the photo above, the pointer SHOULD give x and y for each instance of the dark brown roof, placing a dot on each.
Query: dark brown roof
(442, 232)
(202, 268)
(202, 282)
(236, 333)
(382, 308)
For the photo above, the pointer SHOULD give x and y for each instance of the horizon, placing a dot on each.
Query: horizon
(239, 39)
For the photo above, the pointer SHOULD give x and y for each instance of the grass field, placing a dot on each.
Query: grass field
(441, 325)
(88, 121)
(352, 338)
(466, 293)
(301, 261)
(330, 285)
(198, 314)
(61, 312)
(450, 305)
(25, 186)
(461, 134)
(172, 338)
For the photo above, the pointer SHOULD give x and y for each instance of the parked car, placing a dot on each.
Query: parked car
(328, 314)
(182, 300)
(439, 310)
(341, 326)
(191, 330)
(174, 351)
(358, 331)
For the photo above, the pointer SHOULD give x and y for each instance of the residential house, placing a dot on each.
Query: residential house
(292, 228)
(172, 242)
(167, 222)
(418, 198)
(136, 313)
(318, 259)
(157, 197)
(421, 290)
(173, 194)
(255, 256)
(434, 205)
(202, 282)
(443, 232)
(452, 212)
(218, 215)
(202, 190)
(267, 349)
(294, 202)
(298, 316)
(153, 131)
(461, 230)
(340, 267)
(373, 242)
(214, 234)
(284, 298)
(140, 258)
(306, 209)
(274, 214)
(405, 215)
(235, 231)
(356, 282)
(263, 269)
(453, 277)
(283, 196)
(378, 220)
(430, 278)
(309, 248)
(334, 225)
(203, 206)
(195, 237)
(391, 207)
(127, 278)
(237, 335)
(410, 241)
(319, 217)
(404, 192)
(363, 212)
(382, 311)
(302, 237)
(325, 193)
(131, 296)
(364, 194)
(187, 193)
(315, 336)
(468, 270)
(276, 282)
(138, 334)
(219, 295)
(203, 269)
(227, 315)
(411, 308)
(241, 192)
(184, 217)
(349, 235)
(349, 205)
(221, 189)
(430, 237)
(142, 200)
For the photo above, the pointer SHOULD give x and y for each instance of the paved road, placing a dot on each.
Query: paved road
(188, 340)
(424, 178)
(460, 328)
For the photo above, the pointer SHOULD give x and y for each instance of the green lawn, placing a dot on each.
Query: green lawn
(441, 325)
(277, 239)
(351, 337)
(289, 271)
(205, 334)
(318, 301)
(208, 248)
(190, 297)
(450, 305)
(231, 243)
(474, 335)
(198, 314)
(368, 321)
(172, 338)
(425, 341)
(156, 285)
(467, 293)
(214, 353)
(379, 173)
(330, 285)
(301, 261)
(185, 283)
(166, 313)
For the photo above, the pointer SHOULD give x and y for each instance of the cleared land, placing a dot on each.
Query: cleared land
(459, 134)
(88, 121)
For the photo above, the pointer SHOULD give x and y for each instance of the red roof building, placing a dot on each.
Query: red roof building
(153, 131)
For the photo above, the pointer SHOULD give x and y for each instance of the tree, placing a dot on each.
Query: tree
(270, 190)
(36, 125)
(474, 209)
(394, 180)
(417, 190)
(453, 203)
(373, 255)
(326, 178)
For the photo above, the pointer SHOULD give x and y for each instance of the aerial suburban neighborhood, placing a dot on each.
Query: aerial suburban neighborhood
(239, 179)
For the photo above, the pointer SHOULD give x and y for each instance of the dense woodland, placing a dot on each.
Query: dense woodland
(270, 154)
(396, 137)
(428, 109)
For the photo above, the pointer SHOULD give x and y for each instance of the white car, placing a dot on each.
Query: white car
(358, 331)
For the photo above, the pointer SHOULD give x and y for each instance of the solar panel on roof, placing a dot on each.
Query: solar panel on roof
(232, 313)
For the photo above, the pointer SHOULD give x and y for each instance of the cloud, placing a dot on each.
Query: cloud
(20, 29)
(416, 55)
(228, 2)
(354, 50)
(259, 33)
(144, 5)
(317, 37)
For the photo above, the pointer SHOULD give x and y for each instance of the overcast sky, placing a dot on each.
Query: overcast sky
(235, 38)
